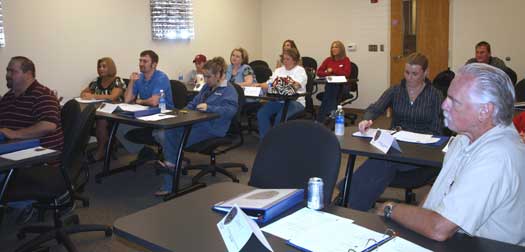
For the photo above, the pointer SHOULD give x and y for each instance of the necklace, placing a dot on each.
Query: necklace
(413, 93)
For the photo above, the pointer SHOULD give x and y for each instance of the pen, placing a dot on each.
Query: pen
(378, 244)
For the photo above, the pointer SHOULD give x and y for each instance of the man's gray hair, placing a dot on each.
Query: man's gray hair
(492, 85)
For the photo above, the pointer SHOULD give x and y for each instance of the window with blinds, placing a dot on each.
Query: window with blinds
(2, 35)
(171, 19)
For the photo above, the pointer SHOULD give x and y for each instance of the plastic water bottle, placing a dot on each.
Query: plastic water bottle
(181, 76)
(339, 121)
(162, 101)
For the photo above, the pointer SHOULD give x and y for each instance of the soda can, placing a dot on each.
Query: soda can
(315, 193)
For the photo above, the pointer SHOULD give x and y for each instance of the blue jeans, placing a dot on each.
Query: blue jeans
(170, 140)
(329, 102)
(275, 108)
(371, 180)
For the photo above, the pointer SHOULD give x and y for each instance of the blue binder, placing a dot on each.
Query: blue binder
(135, 114)
(2, 137)
(13, 146)
(269, 212)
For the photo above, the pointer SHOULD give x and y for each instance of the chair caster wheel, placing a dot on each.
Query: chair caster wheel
(244, 169)
(108, 232)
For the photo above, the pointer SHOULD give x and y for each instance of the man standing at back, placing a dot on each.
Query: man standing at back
(483, 55)
(144, 89)
(481, 187)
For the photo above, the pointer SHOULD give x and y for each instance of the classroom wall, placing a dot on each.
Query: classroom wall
(315, 24)
(498, 22)
(66, 37)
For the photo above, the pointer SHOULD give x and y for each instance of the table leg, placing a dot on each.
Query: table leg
(285, 110)
(348, 179)
(175, 192)
(107, 158)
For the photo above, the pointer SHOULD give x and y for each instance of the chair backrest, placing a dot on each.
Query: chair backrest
(74, 154)
(520, 91)
(179, 94)
(310, 90)
(309, 63)
(256, 63)
(295, 151)
(351, 91)
(235, 125)
(512, 75)
(442, 81)
(262, 73)
(67, 114)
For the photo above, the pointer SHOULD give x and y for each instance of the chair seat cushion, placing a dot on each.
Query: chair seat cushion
(40, 183)
(414, 178)
(209, 145)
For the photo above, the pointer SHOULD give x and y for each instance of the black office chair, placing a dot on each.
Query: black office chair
(309, 109)
(262, 73)
(512, 75)
(310, 66)
(413, 179)
(351, 91)
(256, 63)
(145, 135)
(52, 189)
(442, 81)
(220, 145)
(295, 151)
(520, 91)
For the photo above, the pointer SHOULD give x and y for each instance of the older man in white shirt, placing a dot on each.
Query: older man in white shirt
(481, 188)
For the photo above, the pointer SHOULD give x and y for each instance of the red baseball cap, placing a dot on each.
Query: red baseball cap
(199, 58)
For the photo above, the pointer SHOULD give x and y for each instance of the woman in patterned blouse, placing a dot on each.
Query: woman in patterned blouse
(107, 86)
(239, 71)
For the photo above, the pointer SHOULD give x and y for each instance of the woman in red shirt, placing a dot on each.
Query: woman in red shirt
(338, 64)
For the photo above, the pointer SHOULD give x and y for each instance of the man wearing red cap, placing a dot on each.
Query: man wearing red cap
(199, 61)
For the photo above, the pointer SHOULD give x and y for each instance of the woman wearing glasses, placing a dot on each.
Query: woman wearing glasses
(416, 107)
(216, 96)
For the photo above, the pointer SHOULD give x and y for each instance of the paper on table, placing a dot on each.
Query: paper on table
(336, 236)
(252, 91)
(107, 107)
(81, 100)
(411, 137)
(236, 228)
(132, 107)
(370, 133)
(336, 79)
(405, 136)
(27, 153)
(300, 221)
(156, 117)
(399, 244)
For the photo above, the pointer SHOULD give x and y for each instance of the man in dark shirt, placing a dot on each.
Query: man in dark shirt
(483, 55)
(29, 110)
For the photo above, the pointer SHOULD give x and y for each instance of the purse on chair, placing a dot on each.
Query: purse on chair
(282, 86)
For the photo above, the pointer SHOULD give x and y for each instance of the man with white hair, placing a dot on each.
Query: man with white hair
(481, 187)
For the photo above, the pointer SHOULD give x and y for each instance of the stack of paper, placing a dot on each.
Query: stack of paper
(27, 153)
(405, 136)
(312, 230)
(82, 100)
(156, 117)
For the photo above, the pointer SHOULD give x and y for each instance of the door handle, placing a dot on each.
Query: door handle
(397, 57)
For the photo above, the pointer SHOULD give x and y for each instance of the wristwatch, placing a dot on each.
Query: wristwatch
(388, 209)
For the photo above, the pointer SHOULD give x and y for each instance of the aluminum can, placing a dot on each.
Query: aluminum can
(315, 193)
